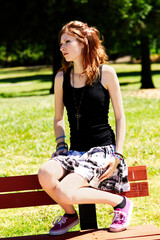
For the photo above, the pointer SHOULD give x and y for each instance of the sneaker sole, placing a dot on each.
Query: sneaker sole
(64, 230)
(127, 222)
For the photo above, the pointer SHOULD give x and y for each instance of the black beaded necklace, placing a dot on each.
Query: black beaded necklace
(77, 106)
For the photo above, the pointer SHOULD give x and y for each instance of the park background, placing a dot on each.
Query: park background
(29, 59)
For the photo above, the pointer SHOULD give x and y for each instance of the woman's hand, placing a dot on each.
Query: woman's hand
(59, 152)
(109, 168)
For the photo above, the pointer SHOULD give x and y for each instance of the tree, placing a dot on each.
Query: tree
(127, 26)
(141, 21)
(150, 30)
(146, 76)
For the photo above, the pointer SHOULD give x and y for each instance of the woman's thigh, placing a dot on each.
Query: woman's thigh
(72, 182)
(69, 187)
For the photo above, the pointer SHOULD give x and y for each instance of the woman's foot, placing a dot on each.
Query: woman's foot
(63, 223)
(122, 217)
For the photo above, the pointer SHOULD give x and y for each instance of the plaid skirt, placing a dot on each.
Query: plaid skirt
(90, 165)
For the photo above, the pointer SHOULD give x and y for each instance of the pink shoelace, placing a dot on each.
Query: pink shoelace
(119, 216)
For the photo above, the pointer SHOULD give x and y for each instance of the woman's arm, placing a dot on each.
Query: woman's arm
(59, 126)
(110, 82)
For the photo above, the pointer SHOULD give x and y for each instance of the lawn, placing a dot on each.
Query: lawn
(27, 140)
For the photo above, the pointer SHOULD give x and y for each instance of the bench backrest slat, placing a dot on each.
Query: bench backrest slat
(139, 189)
(19, 183)
(25, 191)
(40, 198)
(137, 173)
(25, 199)
(30, 182)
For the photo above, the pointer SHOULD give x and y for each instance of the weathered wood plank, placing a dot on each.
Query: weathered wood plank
(137, 173)
(39, 198)
(30, 182)
(145, 232)
(19, 183)
(25, 199)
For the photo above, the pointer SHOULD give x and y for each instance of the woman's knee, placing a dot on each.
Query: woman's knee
(47, 177)
(43, 175)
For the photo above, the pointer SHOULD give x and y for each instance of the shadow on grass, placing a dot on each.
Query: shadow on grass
(135, 73)
(29, 93)
(48, 78)
(13, 70)
(33, 93)
(40, 77)
(129, 83)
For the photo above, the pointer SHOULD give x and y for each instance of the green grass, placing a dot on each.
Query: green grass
(25, 81)
(129, 75)
(27, 140)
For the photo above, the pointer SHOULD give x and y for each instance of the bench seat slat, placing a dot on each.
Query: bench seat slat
(30, 182)
(148, 232)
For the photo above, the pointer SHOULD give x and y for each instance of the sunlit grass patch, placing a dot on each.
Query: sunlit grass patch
(27, 140)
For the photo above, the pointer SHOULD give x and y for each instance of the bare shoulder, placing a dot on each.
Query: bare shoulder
(59, 79)
(108, 70)
(109, 75)
(59, 76)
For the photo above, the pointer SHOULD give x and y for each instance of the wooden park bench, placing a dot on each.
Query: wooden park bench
(25, 191)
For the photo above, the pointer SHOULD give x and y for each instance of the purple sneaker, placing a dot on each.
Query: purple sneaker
(122, 217)
(62, 224)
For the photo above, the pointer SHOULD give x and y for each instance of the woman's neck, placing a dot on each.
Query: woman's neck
(78, 67)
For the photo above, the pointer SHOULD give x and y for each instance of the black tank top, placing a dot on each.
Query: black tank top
(94, 129)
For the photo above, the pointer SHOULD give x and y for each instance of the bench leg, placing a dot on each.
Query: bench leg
(88, 219)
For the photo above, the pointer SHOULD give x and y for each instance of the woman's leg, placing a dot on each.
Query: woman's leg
(74, 189)
(49, 175)
(80, 193)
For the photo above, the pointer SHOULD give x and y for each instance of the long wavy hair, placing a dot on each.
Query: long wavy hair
(93, 52)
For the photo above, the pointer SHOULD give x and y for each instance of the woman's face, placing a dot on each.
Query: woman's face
(70, 47)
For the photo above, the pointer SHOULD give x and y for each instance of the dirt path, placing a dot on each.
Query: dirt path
(144, 93)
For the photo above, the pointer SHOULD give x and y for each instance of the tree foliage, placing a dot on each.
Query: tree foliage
(29, 29)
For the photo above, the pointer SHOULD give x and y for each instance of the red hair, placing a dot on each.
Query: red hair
(93, 53)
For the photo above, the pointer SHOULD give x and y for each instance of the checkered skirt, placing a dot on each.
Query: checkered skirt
(90, 165)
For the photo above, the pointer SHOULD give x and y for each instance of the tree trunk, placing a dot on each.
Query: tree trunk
(146, 79)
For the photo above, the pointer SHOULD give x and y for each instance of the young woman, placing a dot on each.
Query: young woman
(85, 85)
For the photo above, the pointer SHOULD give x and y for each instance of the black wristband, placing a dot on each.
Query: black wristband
(119, 154)
(62, 144)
